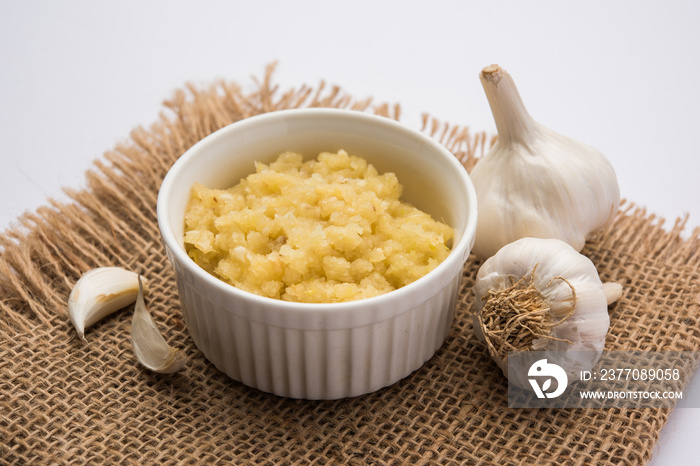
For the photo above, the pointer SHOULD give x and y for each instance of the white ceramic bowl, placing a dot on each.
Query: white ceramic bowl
(320, 351)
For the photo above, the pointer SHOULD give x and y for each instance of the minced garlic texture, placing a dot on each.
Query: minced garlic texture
(320, 231)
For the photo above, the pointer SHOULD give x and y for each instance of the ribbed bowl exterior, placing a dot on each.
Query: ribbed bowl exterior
(321, 363)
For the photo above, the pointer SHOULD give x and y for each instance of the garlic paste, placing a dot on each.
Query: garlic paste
(326, 230)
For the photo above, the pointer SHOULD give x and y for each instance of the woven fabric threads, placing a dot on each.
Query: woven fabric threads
(66, 402)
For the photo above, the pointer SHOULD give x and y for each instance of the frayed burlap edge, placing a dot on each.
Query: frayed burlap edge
(62, 401)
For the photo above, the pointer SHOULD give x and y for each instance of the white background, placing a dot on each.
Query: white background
(622, 76)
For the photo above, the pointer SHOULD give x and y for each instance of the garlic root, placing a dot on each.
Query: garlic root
(151, 349)
(100, 292)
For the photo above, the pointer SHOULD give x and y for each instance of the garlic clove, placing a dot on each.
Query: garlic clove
(100, 292)
(151, 349)
(613, 292)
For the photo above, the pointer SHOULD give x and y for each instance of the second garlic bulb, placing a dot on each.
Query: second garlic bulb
(542, 295)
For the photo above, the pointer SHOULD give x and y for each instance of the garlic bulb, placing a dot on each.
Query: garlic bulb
(151, 349)
(100, 292)
(535, 182)
(541, 295)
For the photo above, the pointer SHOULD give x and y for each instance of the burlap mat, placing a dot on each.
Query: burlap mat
(63, 401)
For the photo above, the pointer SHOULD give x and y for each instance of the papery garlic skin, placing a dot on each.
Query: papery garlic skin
(535, 182)
(585, 330)
(100, 292)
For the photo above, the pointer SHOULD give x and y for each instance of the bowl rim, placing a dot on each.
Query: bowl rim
(458, 253)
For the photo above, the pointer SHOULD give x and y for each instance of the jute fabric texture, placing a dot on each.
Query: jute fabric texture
(63, 401)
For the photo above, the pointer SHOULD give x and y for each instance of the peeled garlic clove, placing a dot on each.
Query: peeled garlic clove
(542, 295)
(151, 349)
(535, 182)
(100, 292)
